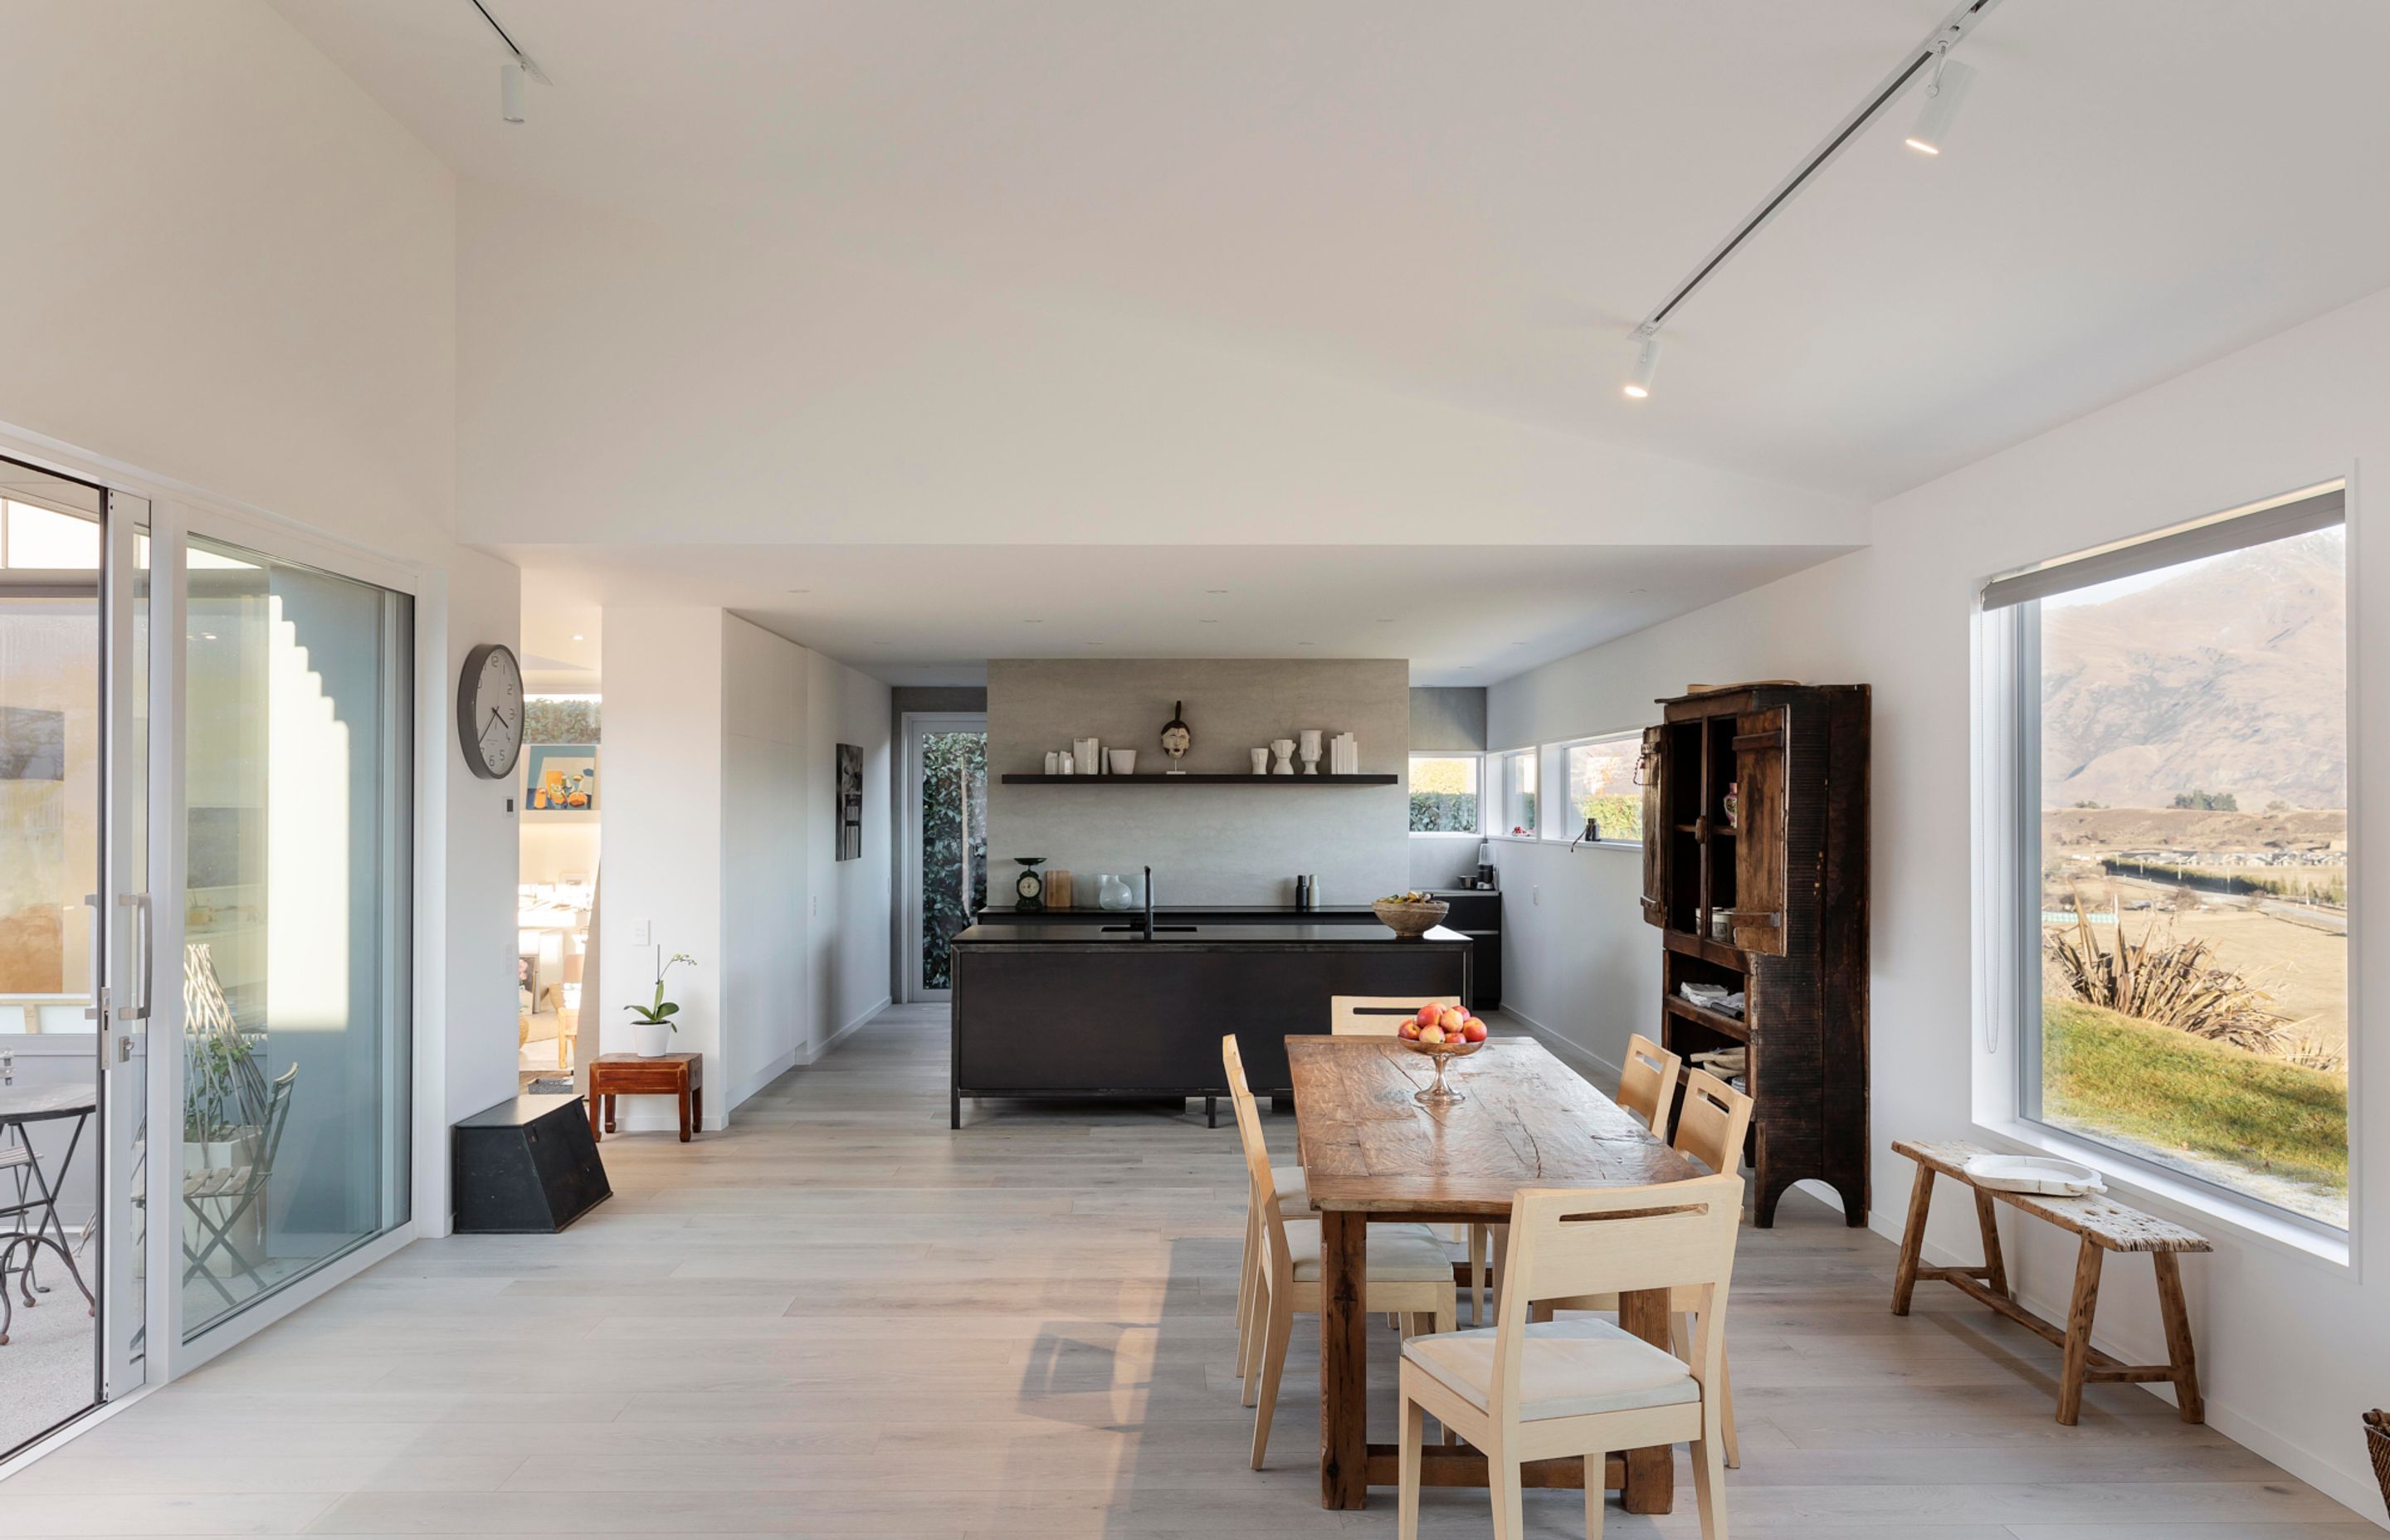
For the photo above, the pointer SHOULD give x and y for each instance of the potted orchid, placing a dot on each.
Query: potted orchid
(651, 1024)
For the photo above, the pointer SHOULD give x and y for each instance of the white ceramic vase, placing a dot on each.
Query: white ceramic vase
(1261, 762)
(652, 1039)
(1123, 761)
(1284, 749)
(1114, 892)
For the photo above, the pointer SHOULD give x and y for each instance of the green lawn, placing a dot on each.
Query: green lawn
(2156, 1086)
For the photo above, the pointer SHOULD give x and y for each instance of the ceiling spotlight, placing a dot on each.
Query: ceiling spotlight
(579, 637)
(1943, 92)
(510, 91)
(1647, 360)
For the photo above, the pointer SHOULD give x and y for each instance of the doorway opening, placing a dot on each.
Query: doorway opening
(945, 828)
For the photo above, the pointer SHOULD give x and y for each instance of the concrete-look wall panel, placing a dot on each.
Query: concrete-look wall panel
(1207, 844)
(1449, 719)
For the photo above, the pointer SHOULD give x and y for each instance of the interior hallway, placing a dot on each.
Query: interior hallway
(839, 1318)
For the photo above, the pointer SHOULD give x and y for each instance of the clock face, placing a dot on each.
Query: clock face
(1027, 885)
(490, 710)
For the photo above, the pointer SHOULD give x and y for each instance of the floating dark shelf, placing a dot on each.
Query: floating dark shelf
(1193, 778)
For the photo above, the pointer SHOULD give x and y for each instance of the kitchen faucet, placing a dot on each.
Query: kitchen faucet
(1149, 903)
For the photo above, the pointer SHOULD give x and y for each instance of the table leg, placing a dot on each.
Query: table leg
(683, 1098)
(611, 1098)
(595, 1133)
(1650, 1485)
(697, 1106)
(1344, 1362)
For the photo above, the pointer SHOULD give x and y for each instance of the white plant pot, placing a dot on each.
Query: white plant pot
(652, 1039)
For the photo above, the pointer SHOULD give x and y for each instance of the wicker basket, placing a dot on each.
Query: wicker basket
(2377, 1442)
(1410, 921)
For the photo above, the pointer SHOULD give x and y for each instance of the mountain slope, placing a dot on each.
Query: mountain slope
(2228, 676)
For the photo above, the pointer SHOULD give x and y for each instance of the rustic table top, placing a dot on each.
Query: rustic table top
(1529, 1121)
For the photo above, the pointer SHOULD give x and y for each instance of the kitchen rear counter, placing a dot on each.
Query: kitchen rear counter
(1068, 1010)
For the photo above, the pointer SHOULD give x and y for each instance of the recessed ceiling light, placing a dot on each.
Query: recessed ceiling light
(579, 637)
(1033, 619)
(1215, 590)
(1307, 644)
(1205, 620)
(800, 590)
(1386, 620)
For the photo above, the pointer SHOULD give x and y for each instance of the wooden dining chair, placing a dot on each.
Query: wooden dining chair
(1382, 1016)
(1711, 1130)
(1408, 1271)
(1647, 1085)
(1293, 1201)
(1582, 1387)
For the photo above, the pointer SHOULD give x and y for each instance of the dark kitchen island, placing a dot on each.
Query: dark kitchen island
(1071, 1010)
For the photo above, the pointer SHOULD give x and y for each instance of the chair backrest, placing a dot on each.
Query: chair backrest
(1715, 1123)
(1257, 1161)
(1566, 1243)
(1377, 1015)
(1647, 1085)
(277, 1113)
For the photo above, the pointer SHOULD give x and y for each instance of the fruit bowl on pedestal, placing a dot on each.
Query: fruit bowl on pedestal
(1443, 1033)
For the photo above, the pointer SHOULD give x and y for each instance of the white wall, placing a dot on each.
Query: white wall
(231, 274)
(766, 958)
(553, 848)
(663, 788)
(721, 779)
(2292, 1347)
(852, 900)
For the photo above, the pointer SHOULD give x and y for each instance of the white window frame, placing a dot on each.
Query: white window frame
(1490, 796)
(1418, 754)
(2007, 920)
(1554, 773)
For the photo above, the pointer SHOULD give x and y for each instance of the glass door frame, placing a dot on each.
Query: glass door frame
(911, 728)
(175, 513)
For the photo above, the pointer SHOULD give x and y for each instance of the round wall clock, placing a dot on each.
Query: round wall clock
(490, 710)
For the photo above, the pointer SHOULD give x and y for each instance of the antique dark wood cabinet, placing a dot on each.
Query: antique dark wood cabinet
(1756, 871)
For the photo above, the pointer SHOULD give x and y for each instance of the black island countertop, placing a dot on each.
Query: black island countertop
(1183, 914)
(1125, 931)
(1062, 1007)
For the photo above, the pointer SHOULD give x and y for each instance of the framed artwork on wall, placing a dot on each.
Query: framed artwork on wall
(560, 778)
(850, 802)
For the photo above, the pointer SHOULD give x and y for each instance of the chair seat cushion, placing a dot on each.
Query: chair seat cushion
(1567, 1368)
(1293, 1193)
(1398, 1254)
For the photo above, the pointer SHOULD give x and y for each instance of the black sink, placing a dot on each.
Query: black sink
(1141, 928)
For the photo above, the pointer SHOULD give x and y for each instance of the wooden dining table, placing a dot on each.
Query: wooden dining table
(1371, 1151)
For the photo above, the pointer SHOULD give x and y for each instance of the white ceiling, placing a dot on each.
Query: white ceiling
(1471, 203)
(784, 283)
(931, 614)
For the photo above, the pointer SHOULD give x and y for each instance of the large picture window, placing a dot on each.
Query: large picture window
(2177, 711)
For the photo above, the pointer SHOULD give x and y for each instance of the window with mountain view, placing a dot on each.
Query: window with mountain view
(2183, 726)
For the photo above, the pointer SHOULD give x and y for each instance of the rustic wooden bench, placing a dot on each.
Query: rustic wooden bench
(2105, 1225)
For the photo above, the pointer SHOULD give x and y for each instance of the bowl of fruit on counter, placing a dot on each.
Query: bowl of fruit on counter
(1444, 1034)
(1411, 915)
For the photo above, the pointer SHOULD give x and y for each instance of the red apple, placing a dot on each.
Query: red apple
(1452, 1019)
(1428, 1014)
(1473, 1030)
(1411, 1030)
(1430, 1035)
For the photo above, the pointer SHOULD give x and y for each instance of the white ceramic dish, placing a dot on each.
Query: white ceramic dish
(2035, 1174)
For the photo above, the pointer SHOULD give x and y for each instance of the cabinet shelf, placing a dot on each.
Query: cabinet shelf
(1195, 778)
(1717, 1022)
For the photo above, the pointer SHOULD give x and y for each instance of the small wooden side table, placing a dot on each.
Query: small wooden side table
(628, 1075)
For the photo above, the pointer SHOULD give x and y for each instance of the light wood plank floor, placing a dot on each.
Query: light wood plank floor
(838, 1319)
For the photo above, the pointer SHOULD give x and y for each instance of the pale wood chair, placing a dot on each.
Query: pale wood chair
(1382, 1016)
(1582, 1387)
(1408, 1270)
(1712, 1128)
(1647, 1084)
(1293, 1203)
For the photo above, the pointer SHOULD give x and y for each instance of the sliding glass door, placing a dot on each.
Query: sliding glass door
(297, 904)
(74, 782)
